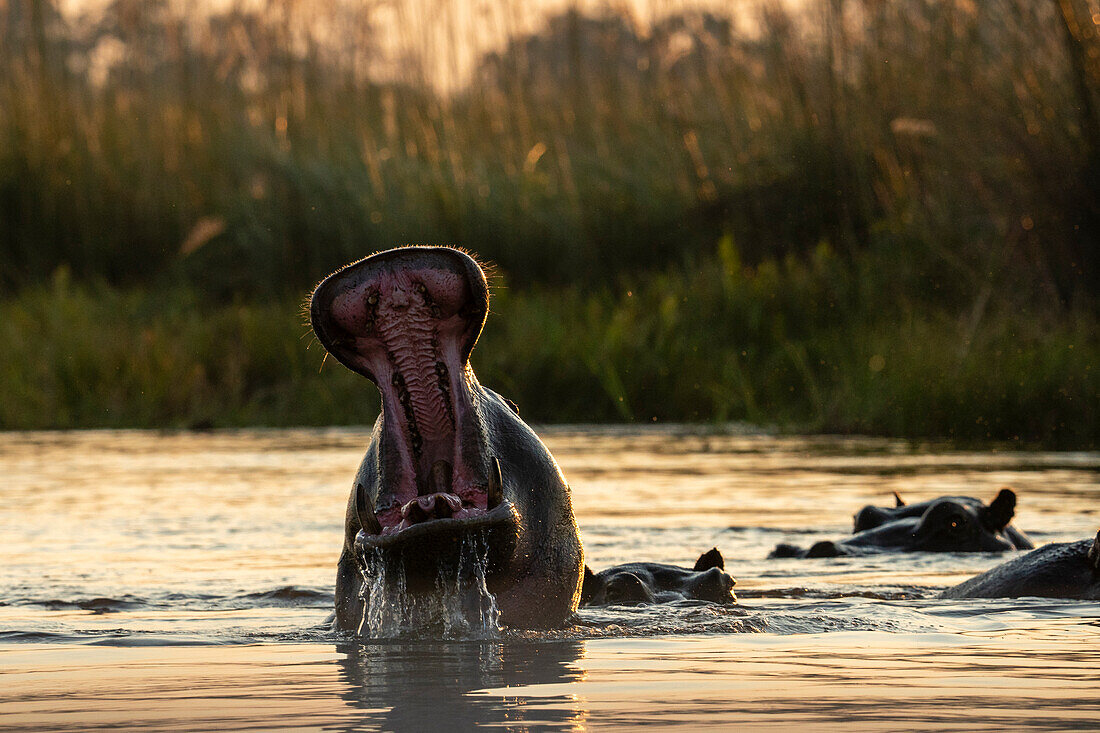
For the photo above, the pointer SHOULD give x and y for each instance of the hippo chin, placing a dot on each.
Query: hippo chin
(947, 524)
(651, 582)
(450, 465)
(1057, 570)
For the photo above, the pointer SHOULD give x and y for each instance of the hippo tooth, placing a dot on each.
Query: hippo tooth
(368, 520)
(439, 479)
(495, 492)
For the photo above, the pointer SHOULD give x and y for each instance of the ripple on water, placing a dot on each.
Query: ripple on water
(240, 561)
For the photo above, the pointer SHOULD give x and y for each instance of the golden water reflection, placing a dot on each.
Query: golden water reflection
(180, 581)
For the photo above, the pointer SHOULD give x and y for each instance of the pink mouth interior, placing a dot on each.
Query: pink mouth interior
(406, 327)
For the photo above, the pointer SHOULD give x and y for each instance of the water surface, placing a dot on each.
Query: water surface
(182, 580)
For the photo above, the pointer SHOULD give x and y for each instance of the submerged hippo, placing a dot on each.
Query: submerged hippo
(948, 524)
(651, 582)
(450, 468)
(871, 516)
(1057, 570)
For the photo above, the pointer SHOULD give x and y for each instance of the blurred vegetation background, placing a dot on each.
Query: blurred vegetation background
(835, 215)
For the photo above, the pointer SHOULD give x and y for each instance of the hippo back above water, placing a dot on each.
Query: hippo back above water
(1057, 570)
(450, 469)
(947, 524)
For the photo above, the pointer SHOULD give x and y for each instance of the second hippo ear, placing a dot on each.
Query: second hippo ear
(1000, 511)
(898, 501)
(589, 586)
(1094, 554)
(710, 559)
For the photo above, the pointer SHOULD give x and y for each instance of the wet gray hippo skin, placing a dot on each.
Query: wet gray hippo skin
(450, 462)
(650, 582)
(1057, 570)
(870, 516)
(948, 524)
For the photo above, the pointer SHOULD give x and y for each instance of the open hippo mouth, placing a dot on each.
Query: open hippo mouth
(408, 319)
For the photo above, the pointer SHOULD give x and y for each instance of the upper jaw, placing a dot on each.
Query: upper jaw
(339, 323)
(408, 319)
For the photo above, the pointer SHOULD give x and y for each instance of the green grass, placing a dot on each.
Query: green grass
(792, 345)
(863, 216)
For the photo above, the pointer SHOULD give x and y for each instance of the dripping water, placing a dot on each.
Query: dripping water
(462, 606)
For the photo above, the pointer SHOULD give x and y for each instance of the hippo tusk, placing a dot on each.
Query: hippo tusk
(495, 492)
(365, 511)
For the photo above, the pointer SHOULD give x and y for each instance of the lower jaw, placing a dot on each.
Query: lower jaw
(438, 548)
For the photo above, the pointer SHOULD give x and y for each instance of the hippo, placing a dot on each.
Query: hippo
(450, 465)
(651, 582)
(870, 516)
(1057, 570)
(948, 524)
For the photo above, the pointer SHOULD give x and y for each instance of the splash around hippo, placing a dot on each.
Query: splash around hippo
(450, 464)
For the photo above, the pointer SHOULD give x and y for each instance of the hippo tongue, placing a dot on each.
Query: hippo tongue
(431, 506)
(440, 478)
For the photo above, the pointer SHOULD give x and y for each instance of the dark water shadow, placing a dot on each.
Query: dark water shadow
(432, 685)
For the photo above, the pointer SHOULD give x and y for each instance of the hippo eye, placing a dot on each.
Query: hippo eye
(372, 298)
(957, 525)
(420, 288)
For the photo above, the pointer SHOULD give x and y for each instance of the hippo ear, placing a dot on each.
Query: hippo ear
(590, 586)
(898, 501)
(710, 559)
(1094, 554)
(1000, 511)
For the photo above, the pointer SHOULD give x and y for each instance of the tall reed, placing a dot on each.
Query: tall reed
(249, 152)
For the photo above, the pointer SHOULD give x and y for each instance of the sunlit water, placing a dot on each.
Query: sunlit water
(176, 581)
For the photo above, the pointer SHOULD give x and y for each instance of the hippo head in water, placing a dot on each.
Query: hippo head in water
(651, 582)
(1001, 508)
(947, 524)
(450, 465)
